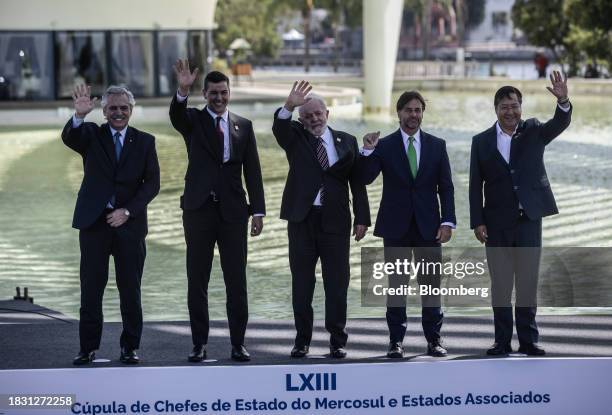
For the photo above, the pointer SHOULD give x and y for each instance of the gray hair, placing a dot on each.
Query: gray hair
(313, 98)
(117, 90)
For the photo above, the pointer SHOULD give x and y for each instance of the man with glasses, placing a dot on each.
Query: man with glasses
(121, 177)
(509, 195)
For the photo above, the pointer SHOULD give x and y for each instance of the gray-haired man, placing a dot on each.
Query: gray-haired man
(121, 177)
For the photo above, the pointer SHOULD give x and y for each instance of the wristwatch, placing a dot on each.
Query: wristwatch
(127, 212)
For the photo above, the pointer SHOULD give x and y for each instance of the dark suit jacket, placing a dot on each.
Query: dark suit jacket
(306, 176)
(524, 179)
(207, 172)
(404, 196)
(134, 179)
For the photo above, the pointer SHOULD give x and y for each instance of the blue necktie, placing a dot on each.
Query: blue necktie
(118, 146)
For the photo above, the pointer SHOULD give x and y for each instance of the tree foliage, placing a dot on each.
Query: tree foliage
(254, 21)
(574, 30)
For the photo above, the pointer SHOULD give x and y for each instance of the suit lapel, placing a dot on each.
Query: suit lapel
(210, 139)
(108, 144)
(401, 158)
(234, 134)
(492, 144)
(516, 143)
(128, 143)
(340, 145)
(425, 153)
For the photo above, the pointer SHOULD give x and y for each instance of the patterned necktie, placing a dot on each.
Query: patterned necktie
(412, 157)
(118, 145)
(221, 136)
(323, 161)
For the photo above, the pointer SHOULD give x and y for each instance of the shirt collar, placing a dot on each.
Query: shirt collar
(417, 136)
(122, 132)
(502, 132)
(214, 115)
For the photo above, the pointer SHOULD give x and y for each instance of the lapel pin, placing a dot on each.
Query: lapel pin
(236, 127)
(338, 139)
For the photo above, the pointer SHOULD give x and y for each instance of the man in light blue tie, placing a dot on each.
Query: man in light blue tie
(121, 177)
(417, 211)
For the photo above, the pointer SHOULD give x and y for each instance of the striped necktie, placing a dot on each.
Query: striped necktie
(323, 161)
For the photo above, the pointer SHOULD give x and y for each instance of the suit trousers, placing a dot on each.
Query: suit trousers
(514, 260)
(205, 227)
(307, 243)
(97, 244)
(419, 249)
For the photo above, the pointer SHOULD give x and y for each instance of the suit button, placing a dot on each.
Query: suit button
(512, 171)
(516, 187)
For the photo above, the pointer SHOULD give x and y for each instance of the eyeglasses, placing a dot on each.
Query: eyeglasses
(118, 107)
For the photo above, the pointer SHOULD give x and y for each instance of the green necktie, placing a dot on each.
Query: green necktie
(412, 157)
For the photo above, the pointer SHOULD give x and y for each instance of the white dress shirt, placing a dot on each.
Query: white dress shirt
(328, 143)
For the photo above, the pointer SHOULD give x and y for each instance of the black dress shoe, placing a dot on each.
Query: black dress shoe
(129, 356)
(84, 358)
(498, 349)
(396, 351)
(435, 349)
(300, 351)
(531, 349)
(337, 352)
(240, 353)
(198, 353)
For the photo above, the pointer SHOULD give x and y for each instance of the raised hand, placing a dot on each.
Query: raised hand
(184, 76)
(559, 85)
(297, 96)
(83, 104)
(370, 140)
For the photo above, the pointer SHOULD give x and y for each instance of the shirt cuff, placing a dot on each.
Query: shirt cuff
(181, 98)
(259, 214)
(76, 122)
(365, 152)
(451, 224)
(566, 107)
(284, 114)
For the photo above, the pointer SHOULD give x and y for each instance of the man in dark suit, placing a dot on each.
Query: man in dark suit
(322, 167)
(507, 167)
(220, 146)
(417, 211)
(121, 177)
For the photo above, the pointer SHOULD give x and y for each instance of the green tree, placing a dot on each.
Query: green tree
(254, 21)
(543, 23)
(590, 32)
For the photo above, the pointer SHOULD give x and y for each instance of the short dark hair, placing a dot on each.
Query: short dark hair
(505, 92)
(215, 77)
(408, 96)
